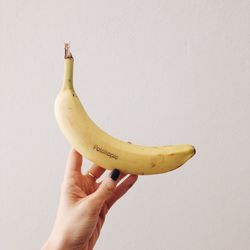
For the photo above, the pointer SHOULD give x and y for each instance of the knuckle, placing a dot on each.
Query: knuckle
(109, 187)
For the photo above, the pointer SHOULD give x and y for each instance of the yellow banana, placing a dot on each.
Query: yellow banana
(103, 149)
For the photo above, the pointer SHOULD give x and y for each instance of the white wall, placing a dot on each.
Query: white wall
(151, 72)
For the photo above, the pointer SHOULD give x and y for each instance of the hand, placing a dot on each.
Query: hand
(84, 204)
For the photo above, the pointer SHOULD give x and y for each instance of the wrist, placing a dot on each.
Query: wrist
(55, 243)
(49, 245)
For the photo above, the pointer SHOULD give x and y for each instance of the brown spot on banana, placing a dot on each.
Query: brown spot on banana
(160, 158)
(153, 165)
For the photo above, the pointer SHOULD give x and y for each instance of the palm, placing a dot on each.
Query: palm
(88, 185)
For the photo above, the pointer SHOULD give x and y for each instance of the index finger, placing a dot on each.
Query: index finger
(74, 162)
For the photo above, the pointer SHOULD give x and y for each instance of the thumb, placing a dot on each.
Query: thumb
(106, 188)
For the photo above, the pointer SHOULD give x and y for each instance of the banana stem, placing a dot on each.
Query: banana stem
(68, 67)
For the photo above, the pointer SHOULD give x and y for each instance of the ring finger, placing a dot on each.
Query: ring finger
(95, 171)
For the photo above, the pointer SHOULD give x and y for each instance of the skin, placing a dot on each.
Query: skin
(83, 205)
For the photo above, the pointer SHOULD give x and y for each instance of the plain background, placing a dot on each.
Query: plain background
(151, 72)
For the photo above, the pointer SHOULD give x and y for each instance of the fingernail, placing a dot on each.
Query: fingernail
(115, 174)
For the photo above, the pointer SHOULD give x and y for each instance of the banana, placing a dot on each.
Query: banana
(103, 149)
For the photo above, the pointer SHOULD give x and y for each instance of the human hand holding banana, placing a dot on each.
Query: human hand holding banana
(84, 203)
(103, 149)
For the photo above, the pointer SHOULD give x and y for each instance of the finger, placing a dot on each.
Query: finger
(96, 171)
(122, 189)
(74, 162)
(105, 189)
(121, 176)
